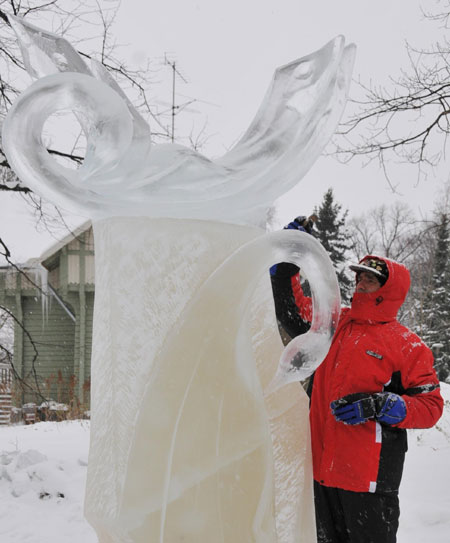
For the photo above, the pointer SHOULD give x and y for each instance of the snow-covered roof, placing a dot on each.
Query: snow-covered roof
(55, 247)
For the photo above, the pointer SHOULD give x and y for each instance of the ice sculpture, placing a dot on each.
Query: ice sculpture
(184, 445)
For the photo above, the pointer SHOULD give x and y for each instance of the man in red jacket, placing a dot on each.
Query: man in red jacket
(377, 380)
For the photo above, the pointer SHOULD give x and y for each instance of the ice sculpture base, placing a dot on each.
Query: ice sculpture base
(181, 444)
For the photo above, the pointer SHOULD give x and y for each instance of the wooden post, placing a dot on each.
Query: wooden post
(64, 272)
(82, 316)
(18, 333)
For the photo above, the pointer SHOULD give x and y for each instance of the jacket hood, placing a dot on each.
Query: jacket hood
(383, 304)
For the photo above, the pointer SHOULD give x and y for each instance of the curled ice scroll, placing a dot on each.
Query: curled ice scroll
(184, 445)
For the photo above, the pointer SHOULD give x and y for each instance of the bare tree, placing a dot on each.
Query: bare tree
(6, 337)
(409, 121)
(394, 232)
(391, 231)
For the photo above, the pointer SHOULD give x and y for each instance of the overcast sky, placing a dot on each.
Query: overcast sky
(228, 52)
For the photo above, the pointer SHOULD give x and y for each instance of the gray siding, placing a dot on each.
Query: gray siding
(53, 337)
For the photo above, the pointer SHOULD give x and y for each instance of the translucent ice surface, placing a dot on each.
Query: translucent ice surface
(185, 445)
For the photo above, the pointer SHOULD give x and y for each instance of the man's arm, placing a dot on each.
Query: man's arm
(424, 403)
(415, 403)
(293, 309)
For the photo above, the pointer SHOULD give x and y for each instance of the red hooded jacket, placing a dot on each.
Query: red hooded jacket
(371, 352)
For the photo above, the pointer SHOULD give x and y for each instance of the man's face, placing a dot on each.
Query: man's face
(367, 282)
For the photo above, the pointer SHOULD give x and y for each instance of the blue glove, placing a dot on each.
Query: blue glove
(354, 408)
(301, 223)
(385, 407)
(390, 407)
(284, 269)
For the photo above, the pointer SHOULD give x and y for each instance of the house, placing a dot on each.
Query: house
(52, 300)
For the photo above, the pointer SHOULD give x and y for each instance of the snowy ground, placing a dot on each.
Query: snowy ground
(425, 489)
(43, 473)
(42, 478)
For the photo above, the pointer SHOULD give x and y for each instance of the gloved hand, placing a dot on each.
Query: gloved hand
(385, 407)
(284, 269)
(354, 408)
(302, 223)
(390, 408)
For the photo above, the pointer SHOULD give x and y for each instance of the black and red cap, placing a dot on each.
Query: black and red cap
(372, 265)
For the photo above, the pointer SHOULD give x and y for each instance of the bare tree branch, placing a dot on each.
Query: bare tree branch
(408, 121)
(23, 380)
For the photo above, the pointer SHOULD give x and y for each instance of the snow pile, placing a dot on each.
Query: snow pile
(42, 480)
(43, 475)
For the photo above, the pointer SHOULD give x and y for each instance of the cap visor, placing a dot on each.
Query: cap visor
(362, 268)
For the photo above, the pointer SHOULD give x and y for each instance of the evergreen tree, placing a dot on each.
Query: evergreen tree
(335, 238)
(435, 329)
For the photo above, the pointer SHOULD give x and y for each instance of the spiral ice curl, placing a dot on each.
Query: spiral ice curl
(123, 174)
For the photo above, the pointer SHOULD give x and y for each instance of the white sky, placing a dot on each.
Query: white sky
(228, 52)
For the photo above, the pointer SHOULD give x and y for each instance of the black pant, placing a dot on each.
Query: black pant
(355, 517)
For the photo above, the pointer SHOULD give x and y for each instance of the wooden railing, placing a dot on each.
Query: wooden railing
(5, 393)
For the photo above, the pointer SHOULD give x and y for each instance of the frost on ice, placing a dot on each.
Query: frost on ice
(185, 445)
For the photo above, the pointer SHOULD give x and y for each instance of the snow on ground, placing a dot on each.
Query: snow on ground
(425, 488)
(42, 479)
(43, 474)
